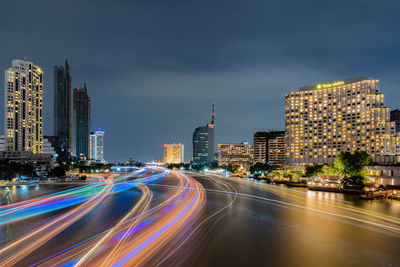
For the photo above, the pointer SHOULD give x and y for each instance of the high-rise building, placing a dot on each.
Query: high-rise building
(173, 153)
(395, 116)
(236, 155)
(96, 145)
(24, 107)
(203, 142)
(326, 119)
(62, 104)
(81, 122)
(269, 147)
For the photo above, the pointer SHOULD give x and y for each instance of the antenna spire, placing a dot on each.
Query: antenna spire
(212, 116)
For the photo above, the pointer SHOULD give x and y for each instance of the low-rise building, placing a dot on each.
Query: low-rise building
(236, 155)
(173, 153)
(383, 175)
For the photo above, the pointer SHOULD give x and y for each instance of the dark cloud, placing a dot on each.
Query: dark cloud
(154, 67)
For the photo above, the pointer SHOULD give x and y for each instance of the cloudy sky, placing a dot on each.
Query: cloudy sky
(153, 67)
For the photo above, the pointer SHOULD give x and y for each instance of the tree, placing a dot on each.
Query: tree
(352, 164)
(262, 168)
(232, 168)
(313, 170)
(351, 167)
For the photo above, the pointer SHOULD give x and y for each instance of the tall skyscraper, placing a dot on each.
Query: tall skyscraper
(62, 104)
(173, 153)
(24, 107)
(203, 142)
(269, 147)
(326, 119)
(235, 154)
(81, 122)
(395, 116)
(96, 145)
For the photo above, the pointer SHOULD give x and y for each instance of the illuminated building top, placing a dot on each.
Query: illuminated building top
(333, 84)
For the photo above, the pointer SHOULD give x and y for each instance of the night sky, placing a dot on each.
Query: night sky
(153, 68)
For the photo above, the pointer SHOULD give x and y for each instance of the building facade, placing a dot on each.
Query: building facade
(203, 142)
(173, 153)
(269, 147)
(395, 116)
(96, 145)
(62, 104)
(81, 122)
(383, 175)
(24, 107)
(325, 119)
(236, 155)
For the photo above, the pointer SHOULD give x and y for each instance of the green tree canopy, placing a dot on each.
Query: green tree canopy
(351, 164)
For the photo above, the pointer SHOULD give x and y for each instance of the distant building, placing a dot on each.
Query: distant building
(24, 107)
(203, 142)
(269, 147)
(236, 155)
(62, 104)
(395, 116)
(326, 119)
(173, 153)
(96, 145)
(81, 122)
(24, 157)
(49, 149)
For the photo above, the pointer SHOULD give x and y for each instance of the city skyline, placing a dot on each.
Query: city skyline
(246, 73)
(200, 133)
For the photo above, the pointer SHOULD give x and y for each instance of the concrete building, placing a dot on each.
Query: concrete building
(24, 107)
(383, 175)
(395, 116)
(203, 142)
(173, 153)
(62, 104)
(49, 149)
(325, 119)
(81, 123)
(236, 155)
(23, 157)
(96, 145)
(269, 147)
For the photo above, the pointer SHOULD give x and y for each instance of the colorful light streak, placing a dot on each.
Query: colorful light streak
(87, 196)
(160, 223)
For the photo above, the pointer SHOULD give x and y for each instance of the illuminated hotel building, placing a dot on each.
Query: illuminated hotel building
(235, 154)
(173, 153)
(269, 147)
(325, 119)
(96, 145)
(24, 107)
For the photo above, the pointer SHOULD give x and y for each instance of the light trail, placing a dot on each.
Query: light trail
(88, 196)
(166, 229)
(146, 197)
(159, 227)
(28, 243)
(105, 232)
(71, 197)
(230, 189)
(386, 227)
